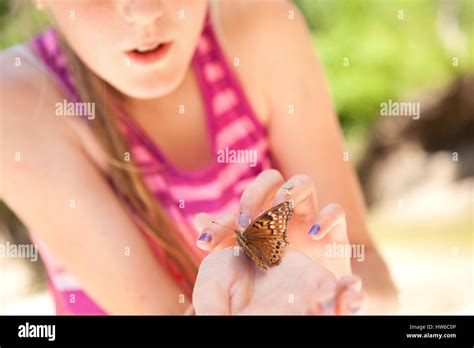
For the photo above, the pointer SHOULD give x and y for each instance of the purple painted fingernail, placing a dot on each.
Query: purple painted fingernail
(205, 237)
(244, 219)
(327, 306)
(314, 229)
(355, 309)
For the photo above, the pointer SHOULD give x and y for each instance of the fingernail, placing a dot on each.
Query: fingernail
(205, 237)
(244, 219)
(355, 309)
(314, 229)
(355, 286)
(327, 306)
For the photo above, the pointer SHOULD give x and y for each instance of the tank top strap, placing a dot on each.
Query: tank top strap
(47, 48)
(227, 103)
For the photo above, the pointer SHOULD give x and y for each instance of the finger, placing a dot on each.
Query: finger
(257, 195)
(349, 282)
(301, 190)
(324, 302)
(344, 298)
(211, 289)
(349, 295)
(350, 302)
(201, 220)
(332, 219)
(215, 235)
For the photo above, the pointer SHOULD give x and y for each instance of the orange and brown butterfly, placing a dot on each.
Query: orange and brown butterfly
(264, 240)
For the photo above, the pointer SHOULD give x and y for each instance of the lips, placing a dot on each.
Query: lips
(147, 47)
(149, 53)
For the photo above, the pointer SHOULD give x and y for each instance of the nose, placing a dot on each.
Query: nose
(141, 11)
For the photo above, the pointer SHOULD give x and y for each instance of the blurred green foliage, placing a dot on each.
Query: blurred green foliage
(19, 20)
(394, 48)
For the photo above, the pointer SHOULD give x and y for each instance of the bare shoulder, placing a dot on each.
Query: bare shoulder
(32, 133)
(22, 82)
(270, 40)
(255, 20)
(29, 93)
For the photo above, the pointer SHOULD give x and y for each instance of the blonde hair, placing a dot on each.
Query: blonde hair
(126, 177)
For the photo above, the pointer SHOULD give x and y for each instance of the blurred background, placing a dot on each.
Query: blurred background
(417, 175)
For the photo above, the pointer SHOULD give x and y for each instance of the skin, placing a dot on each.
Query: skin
(42, 203)
(297, 286)
(304, 274)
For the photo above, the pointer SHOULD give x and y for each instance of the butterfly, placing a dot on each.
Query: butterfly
(264, 241)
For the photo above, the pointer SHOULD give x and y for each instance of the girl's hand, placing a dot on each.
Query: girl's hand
(306, 280)
(229, 283)
(318, 234)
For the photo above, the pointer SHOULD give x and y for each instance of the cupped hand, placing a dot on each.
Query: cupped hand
(319, 234)
(310, 279)
(229, 283)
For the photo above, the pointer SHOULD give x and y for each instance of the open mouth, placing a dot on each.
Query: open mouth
(147, 54)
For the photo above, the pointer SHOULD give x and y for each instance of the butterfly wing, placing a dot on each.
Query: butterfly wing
(253, 253)
(266, 235)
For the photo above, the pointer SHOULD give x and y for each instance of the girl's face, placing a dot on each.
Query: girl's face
(142, 48)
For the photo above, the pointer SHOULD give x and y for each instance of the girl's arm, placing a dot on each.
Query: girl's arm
(305, 135)
(54, 170)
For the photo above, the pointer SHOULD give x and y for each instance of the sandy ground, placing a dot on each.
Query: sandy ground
(427, 239)
(432, 281)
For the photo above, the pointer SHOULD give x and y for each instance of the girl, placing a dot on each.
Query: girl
(172, 99)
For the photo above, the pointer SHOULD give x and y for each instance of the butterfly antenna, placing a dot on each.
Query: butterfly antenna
(222, 225)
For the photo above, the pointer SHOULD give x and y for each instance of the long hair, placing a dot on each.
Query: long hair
(125, 176)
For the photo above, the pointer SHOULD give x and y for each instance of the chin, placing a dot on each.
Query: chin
(151, 87)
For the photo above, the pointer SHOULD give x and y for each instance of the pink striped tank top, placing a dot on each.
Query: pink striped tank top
(232, 127)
